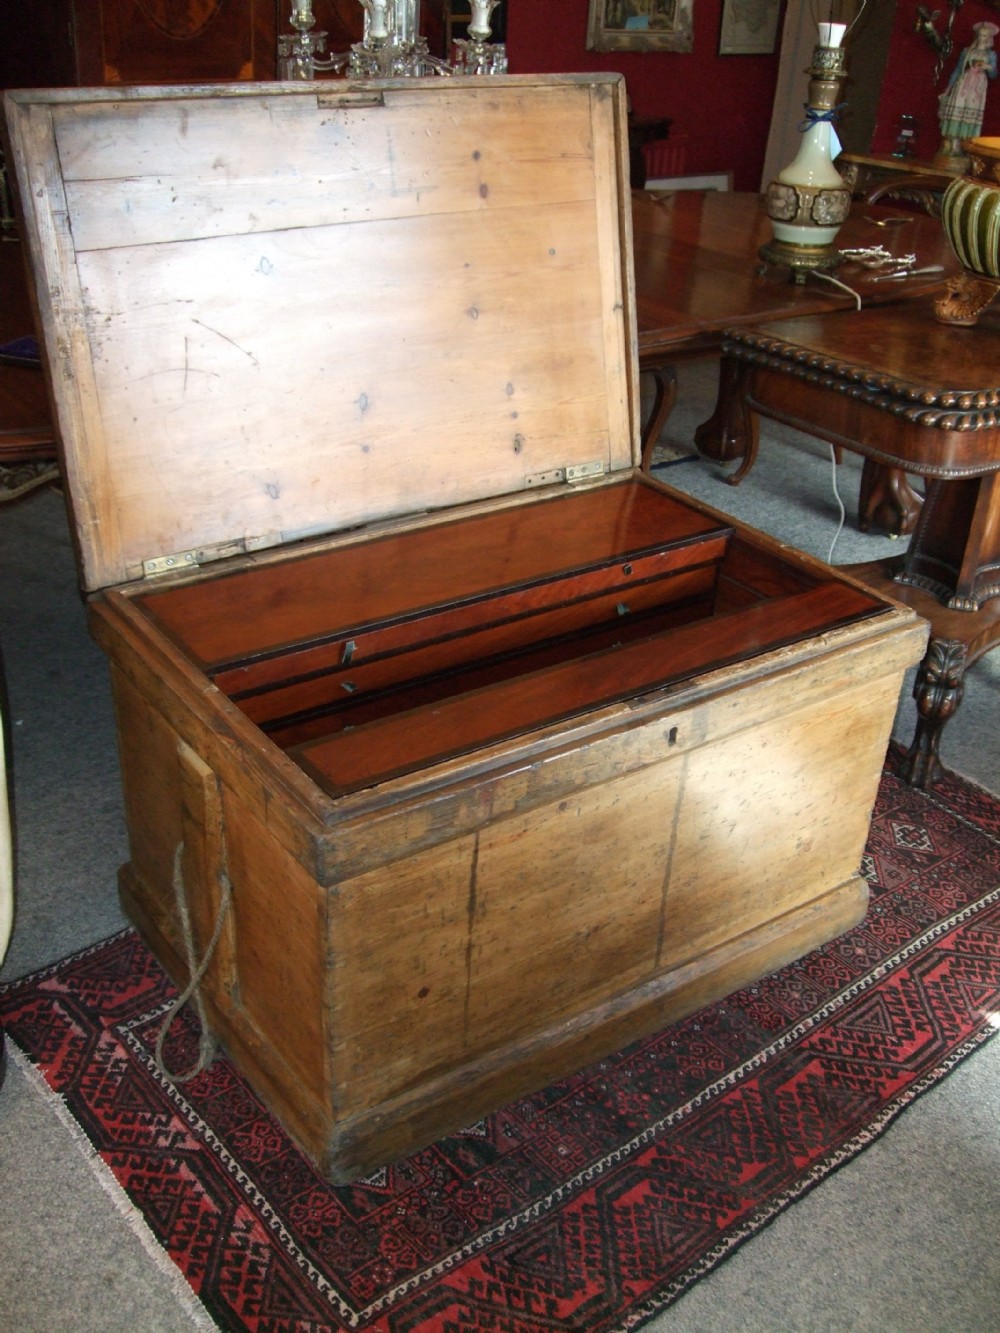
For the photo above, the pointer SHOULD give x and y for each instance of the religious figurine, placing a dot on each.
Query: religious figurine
(961, 105)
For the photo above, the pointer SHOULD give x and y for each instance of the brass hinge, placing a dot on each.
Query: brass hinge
(187, 560)
(572, 474)
(169, 564)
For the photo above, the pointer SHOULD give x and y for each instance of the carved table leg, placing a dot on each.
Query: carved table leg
(664, 400)
(724, 435)
(938, 691)
(887, 500)
(749, 432)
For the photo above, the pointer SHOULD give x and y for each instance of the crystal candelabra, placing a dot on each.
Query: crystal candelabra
(391, 46)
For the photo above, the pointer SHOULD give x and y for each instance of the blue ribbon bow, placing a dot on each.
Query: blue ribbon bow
(814, 117)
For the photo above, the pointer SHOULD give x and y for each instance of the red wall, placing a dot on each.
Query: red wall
(908, 83)
(722, 104)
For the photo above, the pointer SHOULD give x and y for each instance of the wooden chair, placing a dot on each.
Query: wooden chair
(27, 439)
(923, 191)
(456, 16)
(28, 458)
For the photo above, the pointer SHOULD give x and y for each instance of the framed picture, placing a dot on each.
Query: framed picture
(749, 27)
(640, 25)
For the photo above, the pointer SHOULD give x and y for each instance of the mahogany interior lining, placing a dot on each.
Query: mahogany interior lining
(341, 659)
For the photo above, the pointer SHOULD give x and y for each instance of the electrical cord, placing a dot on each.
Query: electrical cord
(840, 504)
(828, 277)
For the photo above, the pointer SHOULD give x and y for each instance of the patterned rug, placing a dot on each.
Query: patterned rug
(590, 1206)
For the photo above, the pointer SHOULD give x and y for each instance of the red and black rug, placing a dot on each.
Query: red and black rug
(595, 1203)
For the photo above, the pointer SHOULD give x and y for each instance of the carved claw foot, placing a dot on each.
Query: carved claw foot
(938, 691)
(887, 500)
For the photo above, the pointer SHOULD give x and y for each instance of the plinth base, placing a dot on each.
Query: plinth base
(801, 259)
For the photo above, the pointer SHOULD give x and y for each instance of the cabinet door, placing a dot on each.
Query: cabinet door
(182, 41)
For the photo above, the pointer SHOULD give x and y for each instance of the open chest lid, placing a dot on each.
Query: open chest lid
(272, 311)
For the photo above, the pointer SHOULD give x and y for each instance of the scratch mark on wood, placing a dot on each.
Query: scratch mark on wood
(248, 354)
(470, 933)
(669, 868)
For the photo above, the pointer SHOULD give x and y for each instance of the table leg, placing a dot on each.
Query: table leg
(664, 401)
(887, 500)
(938, 690)
(958, 639)
(955, 549)
(724, 435)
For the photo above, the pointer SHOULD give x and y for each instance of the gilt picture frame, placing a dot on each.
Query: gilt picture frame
(640, 25)
(749, 27)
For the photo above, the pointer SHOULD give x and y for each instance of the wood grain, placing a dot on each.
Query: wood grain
(180, 229)
(612, 754)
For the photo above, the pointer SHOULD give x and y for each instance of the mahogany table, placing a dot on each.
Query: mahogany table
(697, 273)
(911, 394)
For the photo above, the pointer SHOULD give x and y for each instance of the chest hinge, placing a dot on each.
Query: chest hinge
(187, 560)
(572, 474)
(169, 564)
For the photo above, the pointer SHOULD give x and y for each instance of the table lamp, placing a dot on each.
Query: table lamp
(808, 201)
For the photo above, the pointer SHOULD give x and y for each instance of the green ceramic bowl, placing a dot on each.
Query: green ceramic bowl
(970, 210)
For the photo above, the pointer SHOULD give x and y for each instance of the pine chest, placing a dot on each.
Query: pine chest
(481, 752)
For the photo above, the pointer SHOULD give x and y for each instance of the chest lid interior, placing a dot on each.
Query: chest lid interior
(273, 311)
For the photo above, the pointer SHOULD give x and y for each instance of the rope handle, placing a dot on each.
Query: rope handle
(207, 1045)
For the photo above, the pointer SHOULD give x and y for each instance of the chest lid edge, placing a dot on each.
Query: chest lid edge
(267, 317)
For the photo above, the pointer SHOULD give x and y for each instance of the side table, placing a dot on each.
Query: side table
(864, 173)
(910, 394)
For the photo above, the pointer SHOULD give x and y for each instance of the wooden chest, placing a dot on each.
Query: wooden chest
(500, 753)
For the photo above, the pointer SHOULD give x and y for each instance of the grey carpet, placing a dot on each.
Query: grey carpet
(904, 1238)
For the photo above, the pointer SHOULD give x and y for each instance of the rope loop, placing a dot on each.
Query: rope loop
(207, 1045)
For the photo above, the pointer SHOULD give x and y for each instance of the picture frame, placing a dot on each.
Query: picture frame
(749, 27)
(640, 25)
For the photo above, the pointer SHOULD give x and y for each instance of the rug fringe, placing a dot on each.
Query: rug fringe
(132, 1217)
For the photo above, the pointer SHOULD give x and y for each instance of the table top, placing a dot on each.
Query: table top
(936, 387)
(910, 356)
(697, 270)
